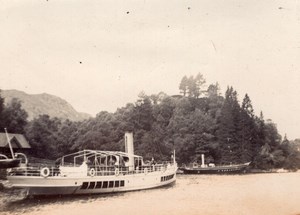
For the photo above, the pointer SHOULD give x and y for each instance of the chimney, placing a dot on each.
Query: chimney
(129, 149)
(202, 159)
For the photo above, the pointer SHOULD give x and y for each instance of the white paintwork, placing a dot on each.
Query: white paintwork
(202, 160)
(129, 150)
(56, 185)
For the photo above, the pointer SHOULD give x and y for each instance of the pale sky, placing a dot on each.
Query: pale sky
(98, 55)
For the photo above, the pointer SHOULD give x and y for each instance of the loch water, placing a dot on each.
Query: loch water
(255, 194)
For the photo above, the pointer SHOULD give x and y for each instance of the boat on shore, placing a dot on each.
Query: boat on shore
(93, 171)
(6, 162)
(195, 168)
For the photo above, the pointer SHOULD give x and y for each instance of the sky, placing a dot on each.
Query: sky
(99, 55)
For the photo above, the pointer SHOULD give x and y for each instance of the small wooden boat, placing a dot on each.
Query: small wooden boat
(6, 162)
(213, 169)
(93, 171)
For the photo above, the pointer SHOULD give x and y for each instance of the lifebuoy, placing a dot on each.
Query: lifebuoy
(45, 172)
(92, 172)
(146, 170)
(117, 171)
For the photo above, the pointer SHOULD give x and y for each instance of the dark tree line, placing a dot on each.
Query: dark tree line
(12, 116)
(201, 121)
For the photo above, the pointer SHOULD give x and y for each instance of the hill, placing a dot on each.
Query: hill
(38, 104)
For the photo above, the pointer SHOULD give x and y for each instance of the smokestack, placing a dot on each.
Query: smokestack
(129, 149)
(202, 160)
(129, 143)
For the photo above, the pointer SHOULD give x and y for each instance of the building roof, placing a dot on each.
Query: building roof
(17, 141)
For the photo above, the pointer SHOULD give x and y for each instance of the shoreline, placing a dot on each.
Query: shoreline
(191, 194)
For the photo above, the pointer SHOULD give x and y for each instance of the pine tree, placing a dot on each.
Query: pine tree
(199, 81)
(228, 123)
(247, 133)
(191, 86)
(183, 87)
(143, 117)
(247, 106)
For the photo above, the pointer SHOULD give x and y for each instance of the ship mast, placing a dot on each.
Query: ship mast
(10, 147)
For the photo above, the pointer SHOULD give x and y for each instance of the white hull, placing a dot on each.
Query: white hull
(94, 171)
(59, 185)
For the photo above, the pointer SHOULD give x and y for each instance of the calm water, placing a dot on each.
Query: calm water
(192, 194)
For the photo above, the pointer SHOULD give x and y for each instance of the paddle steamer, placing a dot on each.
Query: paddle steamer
(93, 171)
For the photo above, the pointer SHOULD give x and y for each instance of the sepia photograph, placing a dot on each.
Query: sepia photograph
(150, 107)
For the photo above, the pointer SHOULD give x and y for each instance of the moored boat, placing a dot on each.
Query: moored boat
(6, 162)
(93, 171)
(195, 168)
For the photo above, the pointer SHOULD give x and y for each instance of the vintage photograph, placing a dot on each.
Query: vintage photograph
(150, 107)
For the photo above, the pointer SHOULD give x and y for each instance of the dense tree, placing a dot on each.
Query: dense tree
(261, 132)
(42, 133)
(247, 132)
(143, 117)
(194, 124)
(228, 127)
(14, 117)
(292, 154)
(273, 138)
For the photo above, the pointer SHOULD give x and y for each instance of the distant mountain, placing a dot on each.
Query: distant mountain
(38, 104)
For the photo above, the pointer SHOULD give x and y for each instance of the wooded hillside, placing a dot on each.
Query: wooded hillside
(200, 120)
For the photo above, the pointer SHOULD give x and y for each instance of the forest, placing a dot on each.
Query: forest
(199, 120)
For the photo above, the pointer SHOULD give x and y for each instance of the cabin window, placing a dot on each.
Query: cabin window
(117, 183)
(92, 185)
(105, 184)
(111, 184)
(166, 178)
(84, 185)
(122, 184)
(99, 184)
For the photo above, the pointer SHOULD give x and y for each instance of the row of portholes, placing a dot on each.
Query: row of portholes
(102, 184)
(226, 170)
(166, 178)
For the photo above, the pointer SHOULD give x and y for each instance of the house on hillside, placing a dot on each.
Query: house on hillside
(18, 142)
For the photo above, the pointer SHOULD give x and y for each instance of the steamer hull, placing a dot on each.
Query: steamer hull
(231, 169)
(91, 185)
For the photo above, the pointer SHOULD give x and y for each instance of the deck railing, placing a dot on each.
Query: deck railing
(65, 171)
